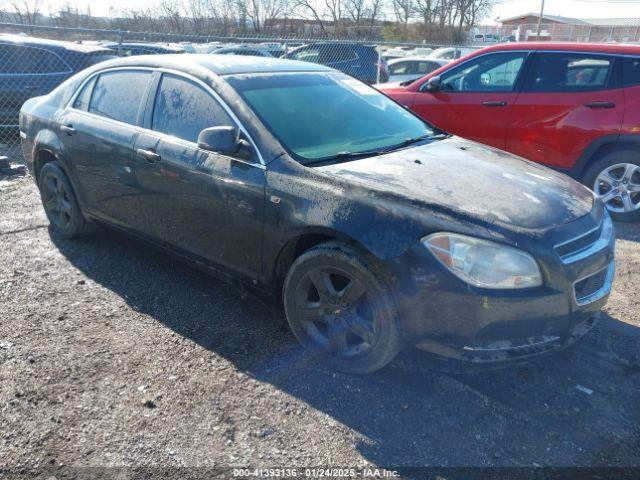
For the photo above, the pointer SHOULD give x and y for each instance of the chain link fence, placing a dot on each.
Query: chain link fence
(35, 59)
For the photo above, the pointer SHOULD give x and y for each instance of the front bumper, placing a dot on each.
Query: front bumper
(446, 316)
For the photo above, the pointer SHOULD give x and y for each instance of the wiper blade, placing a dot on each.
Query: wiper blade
(347, 156)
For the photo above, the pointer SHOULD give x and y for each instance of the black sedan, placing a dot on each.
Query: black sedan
(374, 229)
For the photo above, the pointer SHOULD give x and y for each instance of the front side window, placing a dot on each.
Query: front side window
(569, 72)
(118, 94)
(489, 73)
(320, 115)
(426, 67)
(183, 109)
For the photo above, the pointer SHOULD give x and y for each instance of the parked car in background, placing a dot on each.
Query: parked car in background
(243, 50)
(574, 107)
(275, 49)
(375, 230)
(360, 61)
(32, 66)
(451, 53)
(129, 49)
(393, 53)
(420, 52)
(410, 68)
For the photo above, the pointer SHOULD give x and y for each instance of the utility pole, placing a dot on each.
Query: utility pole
(540, 20)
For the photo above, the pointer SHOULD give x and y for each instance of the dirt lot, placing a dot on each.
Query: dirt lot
(113, 354)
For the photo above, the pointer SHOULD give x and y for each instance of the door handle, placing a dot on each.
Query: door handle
(600, 105)
(68, 129)
(495, 103)
(149, 155)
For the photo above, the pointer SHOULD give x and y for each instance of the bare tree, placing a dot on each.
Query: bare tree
(26, 12)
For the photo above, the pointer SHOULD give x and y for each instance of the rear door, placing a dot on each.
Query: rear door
(475, 97)
(26, 72)
(97, 135)
(198, 201)
(568, 100)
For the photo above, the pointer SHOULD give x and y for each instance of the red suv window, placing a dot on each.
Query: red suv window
(570, 72)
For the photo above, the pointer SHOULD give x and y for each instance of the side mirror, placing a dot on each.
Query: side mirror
(225, 140)
(433, 84)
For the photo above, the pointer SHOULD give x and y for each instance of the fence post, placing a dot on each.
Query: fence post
(119, 40)
(379, 64)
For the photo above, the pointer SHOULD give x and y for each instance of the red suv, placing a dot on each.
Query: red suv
(573, 107)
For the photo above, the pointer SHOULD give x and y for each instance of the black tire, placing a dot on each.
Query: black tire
(60, 203)
(340, 310)
(607, 161)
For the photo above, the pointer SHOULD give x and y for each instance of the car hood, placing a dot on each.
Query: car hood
(472, 180)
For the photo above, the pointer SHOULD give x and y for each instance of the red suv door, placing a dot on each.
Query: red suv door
(568, 100)
(475, 97)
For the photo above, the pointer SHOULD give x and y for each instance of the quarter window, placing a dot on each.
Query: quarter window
(183, 109)
(82, 100)
(631, 71)
(488, 73)
(568, 72)
(117, 95)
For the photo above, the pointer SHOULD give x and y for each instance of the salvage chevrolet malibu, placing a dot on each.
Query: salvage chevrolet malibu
(374, 229)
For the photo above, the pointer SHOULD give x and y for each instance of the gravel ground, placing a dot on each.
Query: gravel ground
(113, 354)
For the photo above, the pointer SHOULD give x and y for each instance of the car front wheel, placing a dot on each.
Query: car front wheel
(341, 310)
(615, 179)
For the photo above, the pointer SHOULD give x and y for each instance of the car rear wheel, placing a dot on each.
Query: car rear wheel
(615, 179)
(60, 203)
(340, 310)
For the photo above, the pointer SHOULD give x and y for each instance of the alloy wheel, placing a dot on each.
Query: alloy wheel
(618, 186)
(335, 312)
(56, 202)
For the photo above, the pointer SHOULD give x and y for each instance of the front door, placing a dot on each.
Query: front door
(475, 98)
(197, 201)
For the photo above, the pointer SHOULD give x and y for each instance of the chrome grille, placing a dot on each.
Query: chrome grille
(586, 244)
(579, 244)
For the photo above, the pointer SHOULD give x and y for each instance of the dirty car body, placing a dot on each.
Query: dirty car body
(403, 210)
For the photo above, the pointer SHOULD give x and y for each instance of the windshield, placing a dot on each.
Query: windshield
(322, 115)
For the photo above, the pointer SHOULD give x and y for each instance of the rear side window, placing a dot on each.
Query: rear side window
(117, 95)
(21, 59)
(337, 53)
(309, 54)
(402, 68)
(631, 71)
(82, 100)
(569, 72)
(183, 109)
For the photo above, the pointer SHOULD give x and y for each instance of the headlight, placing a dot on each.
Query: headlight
(484, 263)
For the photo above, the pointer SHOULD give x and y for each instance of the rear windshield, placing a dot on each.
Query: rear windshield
(319, 115)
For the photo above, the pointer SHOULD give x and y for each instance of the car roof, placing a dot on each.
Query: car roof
(52, 44)
(418, 58)
(219, 64)
(619, 48)
(144, 45)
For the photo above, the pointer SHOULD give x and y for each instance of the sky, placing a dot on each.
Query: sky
(501, 9)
